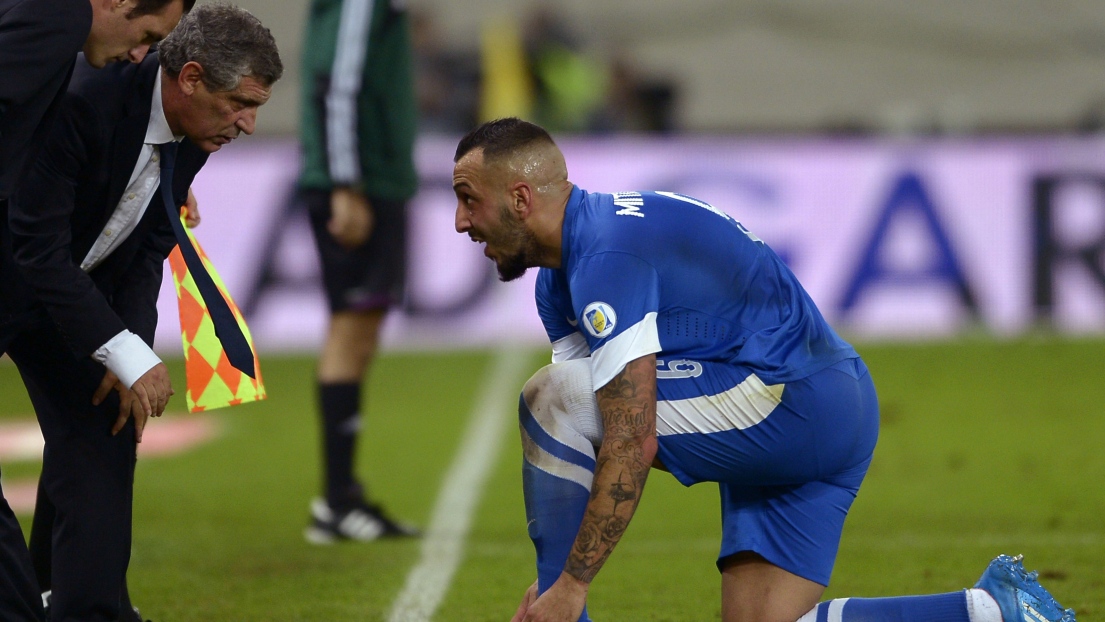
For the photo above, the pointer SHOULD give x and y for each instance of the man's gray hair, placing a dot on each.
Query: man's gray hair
(228, 42)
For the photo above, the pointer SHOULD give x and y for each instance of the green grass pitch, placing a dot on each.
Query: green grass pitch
(986, 447)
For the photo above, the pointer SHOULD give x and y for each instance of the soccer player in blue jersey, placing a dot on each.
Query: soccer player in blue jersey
(681, 342)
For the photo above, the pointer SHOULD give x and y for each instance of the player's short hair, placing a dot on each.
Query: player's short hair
(149, 7)
(228, 42)
(502, 137)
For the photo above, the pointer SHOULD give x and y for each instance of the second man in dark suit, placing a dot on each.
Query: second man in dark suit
(39, 41)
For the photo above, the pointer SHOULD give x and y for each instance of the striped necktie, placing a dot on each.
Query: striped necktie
(227, 330)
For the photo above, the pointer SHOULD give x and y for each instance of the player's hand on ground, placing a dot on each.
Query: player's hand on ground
(527, 600)
(562, 602)
(191, 211)
(351, 217)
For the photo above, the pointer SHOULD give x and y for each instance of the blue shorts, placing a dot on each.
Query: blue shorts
(788, 458)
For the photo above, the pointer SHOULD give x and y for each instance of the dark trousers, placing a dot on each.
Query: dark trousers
(41, 544)
(19, 594)
(87, 473)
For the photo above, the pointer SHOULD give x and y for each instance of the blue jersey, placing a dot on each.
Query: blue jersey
(658, 272)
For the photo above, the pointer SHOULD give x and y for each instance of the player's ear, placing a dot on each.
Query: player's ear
(521, 198)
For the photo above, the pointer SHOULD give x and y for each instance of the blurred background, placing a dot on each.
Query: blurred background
(933, 172)
(735, 66)
(926, 169)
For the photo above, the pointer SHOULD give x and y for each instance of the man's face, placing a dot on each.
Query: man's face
(211, 119)
(116, 36)
(484, 213)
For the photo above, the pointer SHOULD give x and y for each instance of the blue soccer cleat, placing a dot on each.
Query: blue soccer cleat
(1019, 595)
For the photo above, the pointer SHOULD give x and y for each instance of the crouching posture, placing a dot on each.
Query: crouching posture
(796, 524)
(681, 341)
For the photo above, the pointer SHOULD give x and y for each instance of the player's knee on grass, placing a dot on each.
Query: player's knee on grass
(561, 398)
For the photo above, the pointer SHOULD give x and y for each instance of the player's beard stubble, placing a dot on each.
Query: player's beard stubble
(516, 247)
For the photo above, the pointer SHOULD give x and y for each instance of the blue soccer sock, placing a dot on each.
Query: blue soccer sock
(951, 607)
(557, 470)
(554, 509)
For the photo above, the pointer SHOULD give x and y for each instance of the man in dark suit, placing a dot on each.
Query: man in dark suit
(81, 260)
(39, 41)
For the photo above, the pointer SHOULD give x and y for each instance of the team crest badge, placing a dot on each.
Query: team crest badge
(599, 319)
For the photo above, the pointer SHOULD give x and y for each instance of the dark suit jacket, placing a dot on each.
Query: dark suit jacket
(39, 40)
(68, 196)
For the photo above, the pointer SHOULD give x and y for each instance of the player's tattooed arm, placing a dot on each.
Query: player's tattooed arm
(628, 407)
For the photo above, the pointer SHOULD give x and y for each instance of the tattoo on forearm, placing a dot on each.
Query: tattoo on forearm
(628, 407)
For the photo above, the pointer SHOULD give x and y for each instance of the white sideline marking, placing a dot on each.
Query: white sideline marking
(443, 544)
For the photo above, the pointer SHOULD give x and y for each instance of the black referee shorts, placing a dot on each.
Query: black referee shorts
(370, 276)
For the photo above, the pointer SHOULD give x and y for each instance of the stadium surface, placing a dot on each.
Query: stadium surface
(987, 447)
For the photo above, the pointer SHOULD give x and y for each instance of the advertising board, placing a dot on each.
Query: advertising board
(894, 239)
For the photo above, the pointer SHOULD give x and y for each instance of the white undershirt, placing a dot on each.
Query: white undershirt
(126, 354)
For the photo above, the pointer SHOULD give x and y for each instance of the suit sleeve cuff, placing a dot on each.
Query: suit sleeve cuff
(127, 356)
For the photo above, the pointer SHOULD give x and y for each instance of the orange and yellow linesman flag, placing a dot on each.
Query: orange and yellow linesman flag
(212, 381)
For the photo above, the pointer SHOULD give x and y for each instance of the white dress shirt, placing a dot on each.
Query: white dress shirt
(126, 354)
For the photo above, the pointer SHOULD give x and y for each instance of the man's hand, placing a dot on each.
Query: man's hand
(110, 381)
(562, 602)
(527, 600)
(191, 211)
(153, 390)
(351, 217)
(147, 398)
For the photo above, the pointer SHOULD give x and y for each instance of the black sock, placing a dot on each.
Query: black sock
(341, 421)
